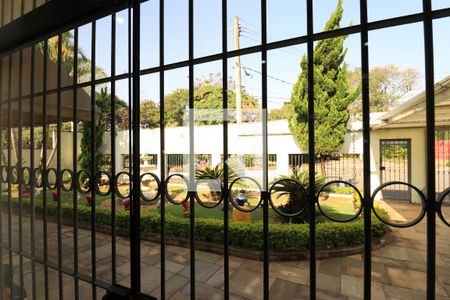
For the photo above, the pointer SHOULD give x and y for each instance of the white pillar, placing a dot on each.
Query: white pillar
(282, 164)
(215, 159)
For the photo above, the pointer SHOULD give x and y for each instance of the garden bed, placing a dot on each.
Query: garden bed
(288, 241)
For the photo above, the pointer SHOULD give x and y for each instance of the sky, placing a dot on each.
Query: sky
(402, 45)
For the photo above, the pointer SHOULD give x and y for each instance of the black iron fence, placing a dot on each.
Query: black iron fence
(37, 201)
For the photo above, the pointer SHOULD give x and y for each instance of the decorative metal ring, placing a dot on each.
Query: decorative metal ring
(4, 174)
(97, 180)
(297, 184)
(358, 213)
(47, 181)
(400, 225)
(79, 188)
(63, 186)
(440, 201)
(14, 174)
(158, 191)
(116, 187)
(22, 176)
(169, 197)
(238, 207)
(38, 172)
(197, 196)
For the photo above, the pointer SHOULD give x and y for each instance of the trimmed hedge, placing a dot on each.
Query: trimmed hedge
(283, 237)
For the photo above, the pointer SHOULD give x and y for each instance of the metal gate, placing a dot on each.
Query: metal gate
(57, 243)
(395, 165)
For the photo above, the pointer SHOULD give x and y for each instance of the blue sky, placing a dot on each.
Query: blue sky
(402, 45)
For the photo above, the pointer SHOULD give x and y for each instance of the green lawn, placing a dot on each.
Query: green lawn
(336, 209)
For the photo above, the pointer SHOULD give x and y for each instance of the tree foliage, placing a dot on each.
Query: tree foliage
(332, 95)
(103, 103)
(67, 57)
(281, 113)
(149, 114)
(208, 100)
(387, 85)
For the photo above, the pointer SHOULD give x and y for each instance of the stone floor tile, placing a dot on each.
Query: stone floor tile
(401, 253)
(302, 293)
(411, 279)
(203, 270)
(331, 266)
(173, 285)
(171, 266)
(247, 283)
(179, 296)
(217, 279)
(208, 256)
(282, 289)
(354, 287)
(286, 272)
(395, 292)
(329, 282)
(204, 292)
(151, 278)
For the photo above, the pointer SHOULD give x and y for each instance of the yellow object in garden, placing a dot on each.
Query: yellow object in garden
(241, 216)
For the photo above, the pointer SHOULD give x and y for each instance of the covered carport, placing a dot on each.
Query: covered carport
(16, 86)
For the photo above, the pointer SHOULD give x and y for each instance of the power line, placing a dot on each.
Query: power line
(287, 50)
(279, 94)
(268, 76)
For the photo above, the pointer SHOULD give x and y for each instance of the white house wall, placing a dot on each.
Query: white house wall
(242, 139)
(418, 155)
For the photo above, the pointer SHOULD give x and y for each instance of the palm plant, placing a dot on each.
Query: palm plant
(297, 195)
(212, 174)
(217, 172)
(67, 57)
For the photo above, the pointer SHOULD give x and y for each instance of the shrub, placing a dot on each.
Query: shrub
(282, 237)
(342, 190)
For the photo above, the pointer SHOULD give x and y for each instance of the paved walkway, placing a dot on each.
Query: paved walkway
(398, 269)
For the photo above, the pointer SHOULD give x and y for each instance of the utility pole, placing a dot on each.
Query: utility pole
(237, 72)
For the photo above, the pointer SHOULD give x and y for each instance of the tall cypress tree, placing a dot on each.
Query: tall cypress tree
(332, 95)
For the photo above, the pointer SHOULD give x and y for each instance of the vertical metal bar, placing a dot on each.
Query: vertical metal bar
(226, 234)
(162, 150)
(430, 118)
(113, 146)
(32, 181)
(439, 168)
(191, 148)
(366, 150)
(408, 162)
(442, 168)
(311, 156)
(265, 149)
(10, 243)
(1, 181)
(19, 168)
(135, 204)
(93, 165)
(44, 166)
(130, 119)
(58, 163)
(75, 160)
